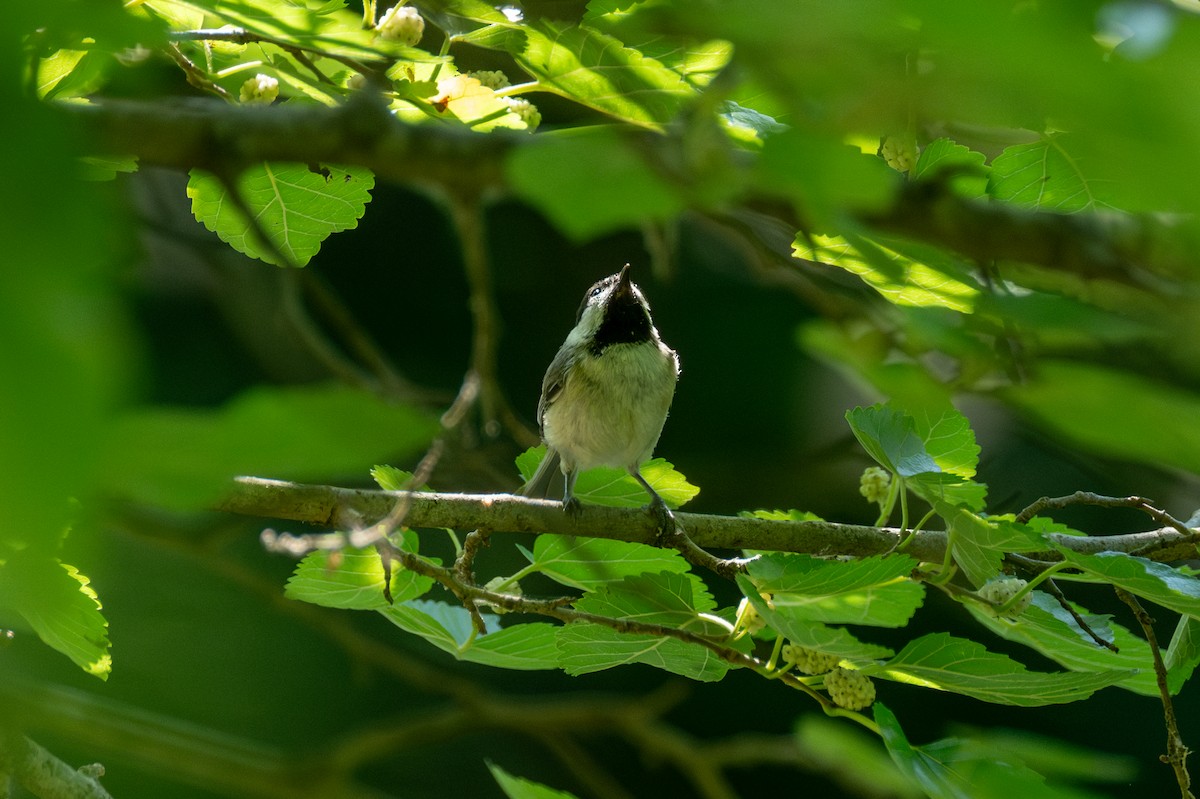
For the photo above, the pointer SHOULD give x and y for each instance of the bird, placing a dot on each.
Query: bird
(606, 394)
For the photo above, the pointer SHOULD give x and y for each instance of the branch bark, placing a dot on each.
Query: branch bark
(331, 508)
(222, 138)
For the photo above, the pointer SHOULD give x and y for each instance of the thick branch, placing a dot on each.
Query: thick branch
(343, 508)
(222, 137)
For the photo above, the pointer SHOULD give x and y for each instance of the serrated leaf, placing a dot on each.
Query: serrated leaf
(527, 646)
(980, 543)
(943, 489)
(389, 478)
(811, 634)
(889, 436)
(352, 579)
(667, 599)
(1041, 175)
(875, 591)
(615, 488)
(1049, 629)
(584, 648)
(791, 515)
(464, 98)
(598, 71)
(945, 663)
(1156, 582)
(590, 563)
(948, 438)
(58, 603)
(904, 273)
(521, 788)
(964, 166)
(185, 457)
(297, 206)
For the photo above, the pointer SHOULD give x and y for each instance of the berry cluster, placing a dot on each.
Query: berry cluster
(809, 661)
(401, 24)
(1000, 591)
(850, 689)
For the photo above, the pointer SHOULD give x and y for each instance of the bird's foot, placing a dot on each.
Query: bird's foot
(663, 518)
(573, 507)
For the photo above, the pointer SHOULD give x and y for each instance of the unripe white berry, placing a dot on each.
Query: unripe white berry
(1001, 590)
(874, 484)
(850, 689)
(809, 661)
(401, 24)
(492, 78)
(260, 89)
(526, 110)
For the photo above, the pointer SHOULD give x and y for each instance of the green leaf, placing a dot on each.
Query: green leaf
(58, 603)
(940, 489)
(389, 478)
(1049, 629)
(1183, 653)
(822, 176)
(615, 488)
(948, 439)
(328, 27)
(980, 542)
(1041, 175)
(590, 563)
(525, 647)
(1076, 400)
(811, 634)
(963, 166)
(598, 71)
(1156, 582)
(521, 788)
(353, 579)
(945, 663)
(184, 458)
(889, 436)
(590, 181)
(904, 273)
(846, 749)
(297, 206)
(875, 591)
(962, 769)
(666, 599)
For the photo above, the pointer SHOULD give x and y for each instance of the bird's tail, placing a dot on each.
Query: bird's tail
(539, 484)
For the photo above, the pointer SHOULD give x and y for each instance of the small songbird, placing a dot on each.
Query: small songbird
(606, 394)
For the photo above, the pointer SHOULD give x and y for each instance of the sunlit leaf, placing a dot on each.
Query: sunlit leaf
(903, 272)
(353, 579)
(889, 435)
(1156, 582)
(615, 488)
(1041, 175)
(296, 206)
(58, 603)
(964, 167)
(521, 788)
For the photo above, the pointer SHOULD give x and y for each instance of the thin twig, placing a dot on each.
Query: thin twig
(195, 75)
(1053, 590)
(1177, 751)
(243, 36)
(1089, 498)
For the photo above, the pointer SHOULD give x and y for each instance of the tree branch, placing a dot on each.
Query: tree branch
(330, 507)
(43, 774)
(222, 137)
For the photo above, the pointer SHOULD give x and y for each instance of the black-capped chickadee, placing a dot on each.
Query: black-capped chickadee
(606, 394)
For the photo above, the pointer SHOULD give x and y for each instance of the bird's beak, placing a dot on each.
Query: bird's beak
(624, 284)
